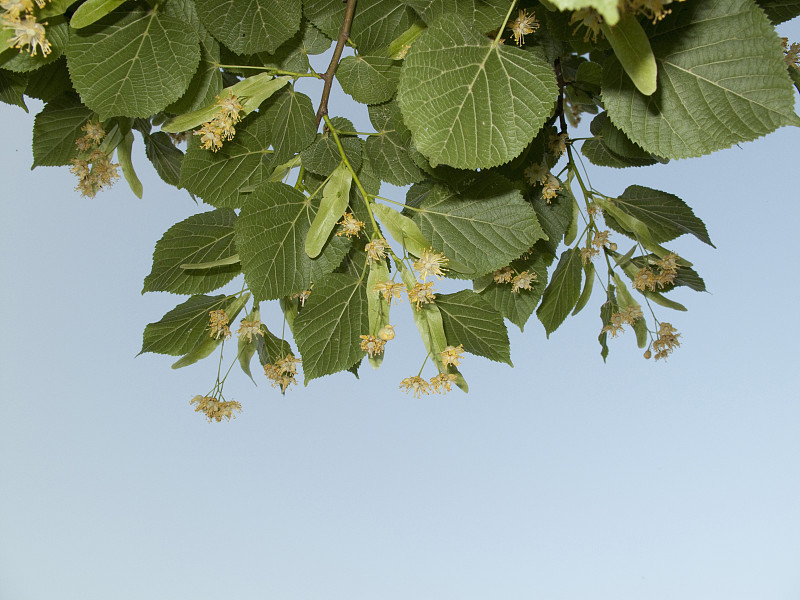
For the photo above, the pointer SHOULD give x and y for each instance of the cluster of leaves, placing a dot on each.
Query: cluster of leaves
(477, 125)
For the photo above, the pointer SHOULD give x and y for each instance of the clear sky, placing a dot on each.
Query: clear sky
(564, 478)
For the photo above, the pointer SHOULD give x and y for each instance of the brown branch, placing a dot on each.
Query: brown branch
(344, 33)
(560, 105)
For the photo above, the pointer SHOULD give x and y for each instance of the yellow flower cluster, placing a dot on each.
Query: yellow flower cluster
(524, 23)
(558, 143)
(589, 18)
(302, 296)
(376, 249)
(221, 127)
(93, 167)
(215, 410)
(390, 290)
(439, 384)
(536, 173)
(28, 33)
(282, 373)
(624, 317)
(351, 227)
(247, 329)
(648, 279)
(551, 187)
(218, 321)
(431, 263)
(652, 9)
(600, 239)
(523, 281)
(421, 293)
(667, 340)
(372, 345)
(452, 355)
(504, 275)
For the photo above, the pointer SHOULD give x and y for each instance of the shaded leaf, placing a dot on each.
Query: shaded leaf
(55, 130)
(166, 158)
(563, 292)
(182, 328)
(369, 79)
(470, 320)
(204, 237)
(250, 26)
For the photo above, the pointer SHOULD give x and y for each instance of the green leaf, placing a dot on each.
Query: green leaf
(328, 328)
(270, 347)
(55, 130)
(270, 237)
(666, 216)
(182, 328)
(124, 158)
(484, 227)
(220, 177)
(470, 320)
(49, 82)
(54, 8)
(201, 238)
(375, 25)
(133, 62)
(626, 300)
(719, 60)
(206, 82)
(779, 11)
(607, 8)
(207, 345)
(470, 103)
(250, 26)
(22, 61)
(335, 196)
(292, 123)
(377, 306)
(323, 156)
(632, 49)
(390, 151)
(563, 291)
(91, 11)
(369, 79)
(402, 229)
(12, 88)
(486, 15)
(166, 158)
(233, 259)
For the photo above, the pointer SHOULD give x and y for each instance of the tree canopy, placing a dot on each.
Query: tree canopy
(474, 106)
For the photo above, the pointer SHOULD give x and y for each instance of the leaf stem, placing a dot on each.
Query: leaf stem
(327, 76)
(270, 69)
(503, 26)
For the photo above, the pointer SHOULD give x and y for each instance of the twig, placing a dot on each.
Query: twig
(344, 33)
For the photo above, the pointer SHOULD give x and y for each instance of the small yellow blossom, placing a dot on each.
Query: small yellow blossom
(587, 254)
(652, 9)
(442, 383)
(288, 364)
(94, 132)
(421, 293)
(523, 281)
(95, 173)
(210, 136)
(214, 409)
(27, 32)
(14, 8)
(386, 333)
(551, 188)
(647, 355)
(430, 263)
(589, 18)
(376, 249)
(415, 384)
(524, 23)
(229, 108)
(451, 355)
(218, 321)
(536, 173)
(403, 51)
(390, 290)
(372, 345)
(558, 144)
(626, 316)
(247, 329)
(504, 275)
(282, 373)
(667, 340)
(351, 227)
(647, 279)
(594, 209)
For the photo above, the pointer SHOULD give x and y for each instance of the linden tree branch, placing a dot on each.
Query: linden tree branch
(327, 76)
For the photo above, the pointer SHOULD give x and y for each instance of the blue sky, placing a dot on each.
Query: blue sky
(564, 478)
